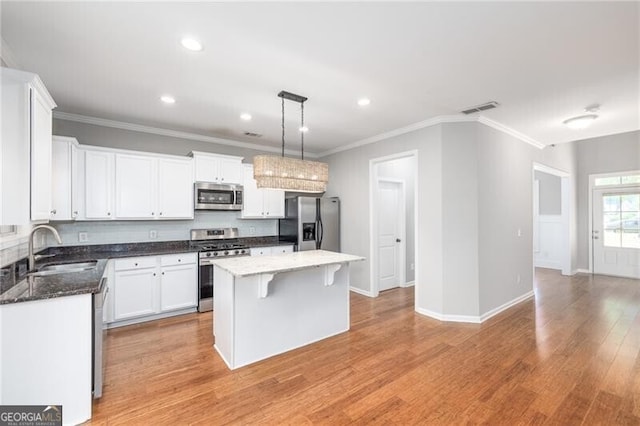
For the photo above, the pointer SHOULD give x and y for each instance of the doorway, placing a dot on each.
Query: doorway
(392, 207)
(551, 207)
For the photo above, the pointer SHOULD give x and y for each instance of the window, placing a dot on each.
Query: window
(7, 230)
(621, 220)
(618, 180)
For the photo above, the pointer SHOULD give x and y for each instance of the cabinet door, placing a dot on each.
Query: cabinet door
(273, 202)
(61, 181)
(175, 189)
(230, 171)
(41, 129)
(75, 202)
(136, 185)
(207, 168)
(260, 251)
(99, 183)
(135, 293)
(252, 203)
(178, 287)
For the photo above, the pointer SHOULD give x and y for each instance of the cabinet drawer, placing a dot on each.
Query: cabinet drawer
(281, 249)
(178, 259)
(260, 251)
(135, 263)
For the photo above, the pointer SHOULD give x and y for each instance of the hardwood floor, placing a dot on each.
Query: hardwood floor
(568, 357)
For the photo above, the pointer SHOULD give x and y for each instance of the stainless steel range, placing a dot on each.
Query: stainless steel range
(213, 244)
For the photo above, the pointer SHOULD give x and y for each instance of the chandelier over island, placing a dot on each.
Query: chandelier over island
(291, 174)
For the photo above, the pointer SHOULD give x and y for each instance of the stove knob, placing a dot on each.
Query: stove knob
(208, 254)
(226, 252)
(237, 252)
(243, 251)
(215, 253)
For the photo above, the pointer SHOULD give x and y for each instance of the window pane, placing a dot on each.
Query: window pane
(611, 221)
(615, 180)
(630, 202)
(630, 179)
(611, 203)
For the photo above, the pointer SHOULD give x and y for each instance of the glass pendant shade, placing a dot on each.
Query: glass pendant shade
(290, 174)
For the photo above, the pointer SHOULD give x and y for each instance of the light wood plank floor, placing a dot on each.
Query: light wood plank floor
(568, 357)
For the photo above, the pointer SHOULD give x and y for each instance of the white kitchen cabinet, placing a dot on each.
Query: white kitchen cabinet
(178, 273)
(136, 186)
(152, 287)
(135, 289)
(269, 251)
(64, 179)
(175, 188)
(217, 168)
(99, 183)
(260, 203)
(25, 152)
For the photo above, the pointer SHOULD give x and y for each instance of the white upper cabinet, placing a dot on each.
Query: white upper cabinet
(99, 183)
(136, 186)
(175, 188)
(25, 152)
(260, 203)
(217, 168)
(64, 179)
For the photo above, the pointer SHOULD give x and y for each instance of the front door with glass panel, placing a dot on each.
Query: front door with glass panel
(616, 232)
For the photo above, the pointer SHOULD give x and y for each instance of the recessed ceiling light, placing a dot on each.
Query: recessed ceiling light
(304, 129)
(168, 99)
(580, 122)
(191, 44)
(245, 116)
(364, 101)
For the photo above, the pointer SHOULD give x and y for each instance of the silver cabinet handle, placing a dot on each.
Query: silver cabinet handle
(54, 211)
(108, 213)
(160, 213)
(398, 240)
(163, 273)
(135, 264)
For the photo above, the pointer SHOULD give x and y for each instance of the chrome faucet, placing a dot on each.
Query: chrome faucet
(32, 259)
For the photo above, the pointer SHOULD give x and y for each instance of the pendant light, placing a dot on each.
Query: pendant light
(291, 174)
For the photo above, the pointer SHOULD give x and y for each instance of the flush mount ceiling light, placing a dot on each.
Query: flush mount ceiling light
(245, 116)
(191, 44)
(291, 174)
(167, 99)
(583, 121)
(364, 101)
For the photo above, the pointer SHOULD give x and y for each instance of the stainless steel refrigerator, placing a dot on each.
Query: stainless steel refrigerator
(312, 223)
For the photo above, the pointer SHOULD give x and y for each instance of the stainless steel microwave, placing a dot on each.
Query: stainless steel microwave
(214, 196)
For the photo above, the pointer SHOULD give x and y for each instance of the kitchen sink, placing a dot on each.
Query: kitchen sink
(64, 268)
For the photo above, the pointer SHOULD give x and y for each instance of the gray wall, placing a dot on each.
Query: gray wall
(550, 196)
(607, 154)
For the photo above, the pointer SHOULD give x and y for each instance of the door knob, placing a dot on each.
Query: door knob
(397, 240)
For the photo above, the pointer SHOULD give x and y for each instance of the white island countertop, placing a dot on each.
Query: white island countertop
(254, 265)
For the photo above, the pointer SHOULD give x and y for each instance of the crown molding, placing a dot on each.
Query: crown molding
(433, 122)
(170, 133)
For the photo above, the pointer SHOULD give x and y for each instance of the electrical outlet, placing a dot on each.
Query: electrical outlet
(413, 266)
(519, 232)
(83, 237)
(252, 230)
(153, 234)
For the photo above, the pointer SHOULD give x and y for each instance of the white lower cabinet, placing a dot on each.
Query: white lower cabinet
(268, 251)
(151, 287)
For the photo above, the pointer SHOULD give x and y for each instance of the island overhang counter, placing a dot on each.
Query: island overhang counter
(267, 305)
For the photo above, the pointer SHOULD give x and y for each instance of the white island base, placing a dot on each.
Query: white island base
(269, 306)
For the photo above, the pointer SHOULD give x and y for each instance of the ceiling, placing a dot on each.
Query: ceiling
(542, 61)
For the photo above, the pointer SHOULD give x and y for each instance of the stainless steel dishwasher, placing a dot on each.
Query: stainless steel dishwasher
(99, 336)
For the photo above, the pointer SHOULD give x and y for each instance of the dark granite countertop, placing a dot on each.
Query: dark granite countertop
(16, 286)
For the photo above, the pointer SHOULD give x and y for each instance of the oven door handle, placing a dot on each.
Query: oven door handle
(206, 262)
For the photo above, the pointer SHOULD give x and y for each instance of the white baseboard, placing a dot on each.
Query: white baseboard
(545, 263)
(504, 307)
(409, 284)
(361, 291)
(581, 271)
(472, 318)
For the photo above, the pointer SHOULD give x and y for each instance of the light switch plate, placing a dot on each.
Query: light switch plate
(83, 237)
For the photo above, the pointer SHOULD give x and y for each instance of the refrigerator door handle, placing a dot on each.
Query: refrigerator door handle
(321, 230)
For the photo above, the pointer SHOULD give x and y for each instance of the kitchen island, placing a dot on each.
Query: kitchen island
(272, 304)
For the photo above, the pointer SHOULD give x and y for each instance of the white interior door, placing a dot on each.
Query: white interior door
(390, 228)
(616, 232)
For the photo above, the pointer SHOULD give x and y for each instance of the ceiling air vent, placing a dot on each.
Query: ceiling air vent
(253, 135)
(483, 107)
